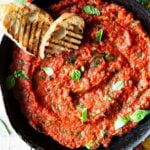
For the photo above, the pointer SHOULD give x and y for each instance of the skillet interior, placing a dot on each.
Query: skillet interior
(38, 140)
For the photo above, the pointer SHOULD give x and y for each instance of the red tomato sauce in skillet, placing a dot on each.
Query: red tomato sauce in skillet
(54, 104)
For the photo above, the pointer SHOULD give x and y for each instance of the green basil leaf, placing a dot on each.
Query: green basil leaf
(48, 70)
(20, 74)
(89, 9)
(72, 59)
(10, 82)
(75, 75)
(84, 115)
(84, 112)
(120, 122)
(20, 1)
(139, 115)
(99, 35)
(11, 79)
(89, 145)
(4, 129)
(118, 86)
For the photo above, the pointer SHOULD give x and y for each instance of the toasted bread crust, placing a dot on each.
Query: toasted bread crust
(64, 34)
(25, 24)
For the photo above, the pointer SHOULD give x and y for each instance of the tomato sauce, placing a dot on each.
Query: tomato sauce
(114, 82)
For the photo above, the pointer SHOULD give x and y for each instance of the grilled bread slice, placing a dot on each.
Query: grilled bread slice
(25, 24)
(64, 34)
(34, 31)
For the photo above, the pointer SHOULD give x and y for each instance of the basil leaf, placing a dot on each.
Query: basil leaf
(11, 79)
(118, 86)
(20, 74)
(10, 82)
(84, 113)
(75, 75)
(121, 121)
(72, 59)
(20, 1)
(89, 9)
(48, 70)
(89, 145)
(139, 115)
(4, 129)
(99, 35)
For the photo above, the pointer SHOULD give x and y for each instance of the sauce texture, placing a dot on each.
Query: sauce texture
(77, 97)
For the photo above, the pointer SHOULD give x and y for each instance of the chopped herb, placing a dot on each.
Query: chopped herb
(82, 68)
(84, 113)
(99, 35)
(120, 122)
(11, 79)
(139, 115)
(75, 75)
(109, 57)
(4, 129)
(89, 9)
(48, 70)
(20, 74)
(89, 145)
(135, 117)
(103, 133)
(20, 1)
(118, 86)
(10, 82)
(72, 59)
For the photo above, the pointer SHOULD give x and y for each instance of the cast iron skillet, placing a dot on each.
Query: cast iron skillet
(40, 141)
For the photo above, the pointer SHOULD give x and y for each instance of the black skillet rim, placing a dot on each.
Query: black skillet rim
(37, 140)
